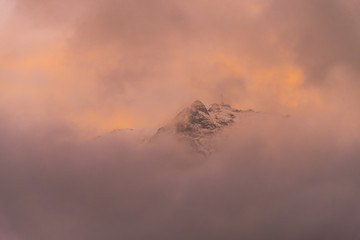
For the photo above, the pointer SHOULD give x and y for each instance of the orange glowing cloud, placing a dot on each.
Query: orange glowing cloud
(111, 64)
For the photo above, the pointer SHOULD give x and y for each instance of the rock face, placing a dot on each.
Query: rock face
(194, 120)
(198, 125)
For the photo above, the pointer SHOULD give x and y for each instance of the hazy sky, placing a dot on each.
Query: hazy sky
(110, 64)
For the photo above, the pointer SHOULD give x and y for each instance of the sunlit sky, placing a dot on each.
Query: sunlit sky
(111, 64)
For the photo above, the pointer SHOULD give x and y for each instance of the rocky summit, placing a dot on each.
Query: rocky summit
(197, 125)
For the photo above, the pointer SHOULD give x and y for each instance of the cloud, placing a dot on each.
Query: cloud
(72, 67)
(127, 59)
(271, 178)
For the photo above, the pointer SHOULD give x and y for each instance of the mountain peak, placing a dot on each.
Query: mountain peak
(197, 124)
(199, 106)
(194, 118)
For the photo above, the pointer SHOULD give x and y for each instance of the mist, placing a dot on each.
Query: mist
(271, 177)
(72, 72)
